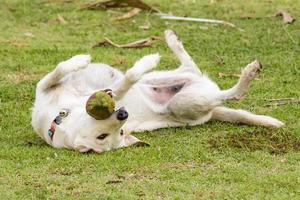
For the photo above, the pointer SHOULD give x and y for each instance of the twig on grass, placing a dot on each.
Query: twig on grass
(114, 181)
(147, 42)
(61, 19)
(130, 14)
(119, 4)
(223, 75)
(201, 20)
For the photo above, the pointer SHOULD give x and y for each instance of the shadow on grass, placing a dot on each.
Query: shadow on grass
(274, 142)
(36, 142)
(39, 143)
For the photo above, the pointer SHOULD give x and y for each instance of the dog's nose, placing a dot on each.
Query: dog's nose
(122, 114)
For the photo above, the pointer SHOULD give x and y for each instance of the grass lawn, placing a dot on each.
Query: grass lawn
(212, 161)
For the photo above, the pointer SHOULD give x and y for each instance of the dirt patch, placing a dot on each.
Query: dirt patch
(182, 166)
(272, 141)
(140, 174)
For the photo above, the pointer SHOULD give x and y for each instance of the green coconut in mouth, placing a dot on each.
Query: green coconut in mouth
(100, 105)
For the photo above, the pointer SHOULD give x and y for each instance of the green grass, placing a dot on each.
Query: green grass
(212, 161)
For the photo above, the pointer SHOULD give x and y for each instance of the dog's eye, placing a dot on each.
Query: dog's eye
(102, 136)
(121, 132)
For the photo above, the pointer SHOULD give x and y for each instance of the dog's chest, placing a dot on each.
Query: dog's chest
(94, 77)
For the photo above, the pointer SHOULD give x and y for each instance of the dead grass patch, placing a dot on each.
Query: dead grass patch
(17, 78)
(272, 141)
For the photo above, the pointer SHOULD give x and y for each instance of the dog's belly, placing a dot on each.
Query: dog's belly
(184, 96)
(150, 96)
(160, 87)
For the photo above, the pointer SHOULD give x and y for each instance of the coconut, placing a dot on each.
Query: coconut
(100, 105)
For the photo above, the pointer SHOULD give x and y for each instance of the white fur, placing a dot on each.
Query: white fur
(153, 100)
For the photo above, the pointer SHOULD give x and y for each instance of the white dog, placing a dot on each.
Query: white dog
(153, 100)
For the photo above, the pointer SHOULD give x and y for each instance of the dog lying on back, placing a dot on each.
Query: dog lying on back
(153, 100)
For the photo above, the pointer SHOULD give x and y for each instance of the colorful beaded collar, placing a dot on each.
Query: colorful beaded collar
(57, 121)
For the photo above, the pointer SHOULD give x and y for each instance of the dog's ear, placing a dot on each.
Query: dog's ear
(130, 140)
(80, 145)
(82, 148)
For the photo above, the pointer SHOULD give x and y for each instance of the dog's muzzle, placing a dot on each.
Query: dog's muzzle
(122, 114)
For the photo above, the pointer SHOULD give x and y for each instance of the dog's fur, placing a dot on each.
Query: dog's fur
(154, 100)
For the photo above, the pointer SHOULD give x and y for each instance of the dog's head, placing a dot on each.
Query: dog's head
(99, 135)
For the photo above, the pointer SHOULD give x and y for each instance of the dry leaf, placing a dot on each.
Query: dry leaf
(203, 28)
(146, 26)
(283, 160)
(130, 14)
(287, 18)
(137, 44)
(113, 181)
(28, 34)
(61, 19)
(119, 4)
(18, 44)
(223, 75)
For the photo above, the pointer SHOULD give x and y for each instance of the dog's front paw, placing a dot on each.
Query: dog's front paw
(150, 61)
(252, 69)
(80, 61)
(144, 65)
(75, 63)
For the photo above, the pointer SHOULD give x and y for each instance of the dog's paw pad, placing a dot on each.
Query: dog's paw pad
(144, 65)
(169, 33)
(172, 39)
(252, 69)
(75, 63)
(152, 60)
(147, 63)
(80, 61)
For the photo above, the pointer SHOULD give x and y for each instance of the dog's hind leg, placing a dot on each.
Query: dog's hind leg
(62, 69)
(244, 117)
(240, 89)
(176, 46)
(142, 66)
